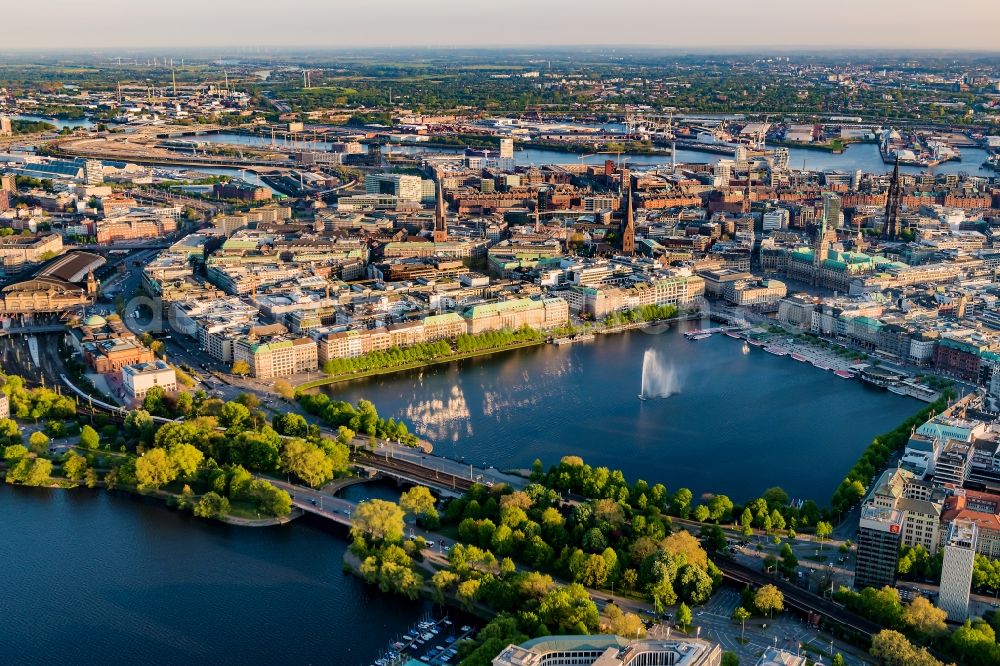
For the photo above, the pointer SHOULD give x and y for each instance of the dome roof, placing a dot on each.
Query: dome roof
(95, 321)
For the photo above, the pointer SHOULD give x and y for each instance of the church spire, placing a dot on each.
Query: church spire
(628, 231)
(440, 215)
(892, 201)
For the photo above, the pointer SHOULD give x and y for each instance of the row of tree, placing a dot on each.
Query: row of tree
(973, 644)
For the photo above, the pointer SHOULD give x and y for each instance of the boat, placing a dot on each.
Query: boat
(817, 364)
(777, 351)
(755, 343)
(800, 358)
(843, 374)
(700, 336)
(643, 398)
(746, 348)
(732, 335)
(898, 390)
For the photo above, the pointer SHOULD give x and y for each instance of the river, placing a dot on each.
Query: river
(737, 423)
(60, 123)
(864, 156)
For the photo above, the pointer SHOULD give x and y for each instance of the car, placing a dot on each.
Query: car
(313, 502)
(431, 544)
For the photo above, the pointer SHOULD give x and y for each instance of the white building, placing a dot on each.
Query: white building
(138, 379)
(956, 569)
(775, 219)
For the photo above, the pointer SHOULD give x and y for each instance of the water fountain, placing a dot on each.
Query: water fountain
(659, 379)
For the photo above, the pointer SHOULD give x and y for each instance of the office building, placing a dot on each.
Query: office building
(775, 219)
(832, 216)
(401, 186)
(879, 539)
(956, 569)
(605, 650)
(6, 126)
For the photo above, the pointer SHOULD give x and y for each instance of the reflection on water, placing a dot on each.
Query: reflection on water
(441, 417)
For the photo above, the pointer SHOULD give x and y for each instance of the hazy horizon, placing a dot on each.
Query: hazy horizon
(770, 25)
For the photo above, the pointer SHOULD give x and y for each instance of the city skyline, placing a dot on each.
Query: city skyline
(781, 25)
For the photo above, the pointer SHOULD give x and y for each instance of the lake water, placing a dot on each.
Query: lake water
(737, 424)
(93, 577)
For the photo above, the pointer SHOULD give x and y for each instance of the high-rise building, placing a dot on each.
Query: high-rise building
(93, 172)
(831, 211)
(956, 569)
(879, 533)
(6, 126)
(8, 182)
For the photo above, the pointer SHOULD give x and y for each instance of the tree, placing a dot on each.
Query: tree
(74, 466)
(292, 425)
(683, 616)
(212, 505)
(924, 618)
(442, 582)
(694, 584)
(154, 469)
(682, 502)
(730, 659)
(683, 543)
(38, 443)
(467, 592)
(284, 389)
(307, 461)
(769, 599)
(378, 519)
(823, 530)
(185, 459)
(90, 478)
(240, 368)
(741, 615)
(892, 648)
(626, 625)
(89, 438)
(233, 415)
(15, 452)
(418, 501)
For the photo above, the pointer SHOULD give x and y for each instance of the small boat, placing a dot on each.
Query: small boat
(777, 351)
(643, 398)
(755, 343)
(732, 335)
(800, 358)
(843, 374)
(817, 364)
(746, 348)
(701, 336)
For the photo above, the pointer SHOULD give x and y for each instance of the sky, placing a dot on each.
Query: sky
(333, 24)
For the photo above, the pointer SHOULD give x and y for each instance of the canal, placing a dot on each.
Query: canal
(733, 423)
